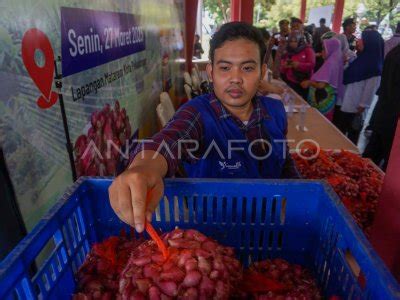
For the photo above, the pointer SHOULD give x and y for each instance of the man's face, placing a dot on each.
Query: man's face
(284, 27)
(296, 26)
(236, 72)
(351, 28)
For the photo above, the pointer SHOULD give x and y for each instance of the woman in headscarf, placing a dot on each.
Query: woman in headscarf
(387, 111)
(297, 63)
(348, 55)
(361, 80)
(327, 83)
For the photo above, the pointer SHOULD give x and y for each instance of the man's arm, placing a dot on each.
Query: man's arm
(128, 192)
(144, 176)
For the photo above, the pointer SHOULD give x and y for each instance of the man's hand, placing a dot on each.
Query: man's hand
(305, 84)
(129, 191)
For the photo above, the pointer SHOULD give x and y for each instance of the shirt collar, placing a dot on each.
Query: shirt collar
(259, 112)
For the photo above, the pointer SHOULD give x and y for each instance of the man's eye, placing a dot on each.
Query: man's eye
(224, 68)
(249, 68)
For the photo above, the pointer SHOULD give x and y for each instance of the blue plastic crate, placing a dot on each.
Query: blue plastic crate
(301, 221)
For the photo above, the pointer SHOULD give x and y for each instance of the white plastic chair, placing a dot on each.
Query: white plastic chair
(188, 91)
(187, 78)
(196, 80)
(166, 101)
(162, 116)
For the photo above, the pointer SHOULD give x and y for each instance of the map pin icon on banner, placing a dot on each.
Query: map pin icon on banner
(42, 76)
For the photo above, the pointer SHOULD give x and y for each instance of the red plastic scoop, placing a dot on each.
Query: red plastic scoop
(154, 235)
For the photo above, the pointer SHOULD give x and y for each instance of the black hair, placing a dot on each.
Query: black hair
(348, 22)
(310, 28)
(371, 27)
(322, 20)
(398, 27)
(265, 34)
(281, 22)
(233, 31)
(295, 20)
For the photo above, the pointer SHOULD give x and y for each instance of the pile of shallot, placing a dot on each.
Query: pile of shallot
(296, 282)
(197, 267)
(356, 181)
(98, 277)
(97, 154)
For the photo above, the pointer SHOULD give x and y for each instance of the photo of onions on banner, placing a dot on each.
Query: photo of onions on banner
(98, 152)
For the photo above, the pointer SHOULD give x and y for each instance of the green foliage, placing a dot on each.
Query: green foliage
(219, 10)
(378, 9)
(261, 9)
(282, 9)
(277, 10)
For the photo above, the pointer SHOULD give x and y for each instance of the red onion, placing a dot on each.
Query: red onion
(298, 281)
(187, 271)
(107, 273)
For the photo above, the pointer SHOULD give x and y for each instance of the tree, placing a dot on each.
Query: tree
(219, 10)
(282, 9)
(269, 12)
(376, 10)
(261, 9)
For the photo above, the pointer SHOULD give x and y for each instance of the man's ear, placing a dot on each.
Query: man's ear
(263, 71)
(209, 71)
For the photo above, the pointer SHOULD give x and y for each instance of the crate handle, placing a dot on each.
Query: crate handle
(352, 263)
(355, 268)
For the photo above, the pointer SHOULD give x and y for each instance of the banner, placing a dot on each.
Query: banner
(90, 38)
(316, 13)
(114, 59)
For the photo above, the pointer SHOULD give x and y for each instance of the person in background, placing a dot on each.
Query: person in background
(371, 27)
(327, 83)
(328, 35)
(277, 46)
(298, 63)
(232, 112)
(267, 38)
(197, 49)
(348, 55)
(278, 37)
(386, 113)
(317, 42)
(361, 81)
(310, 29)
(297, 25)
(349, 28)
(318, 33)
(394, 41)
